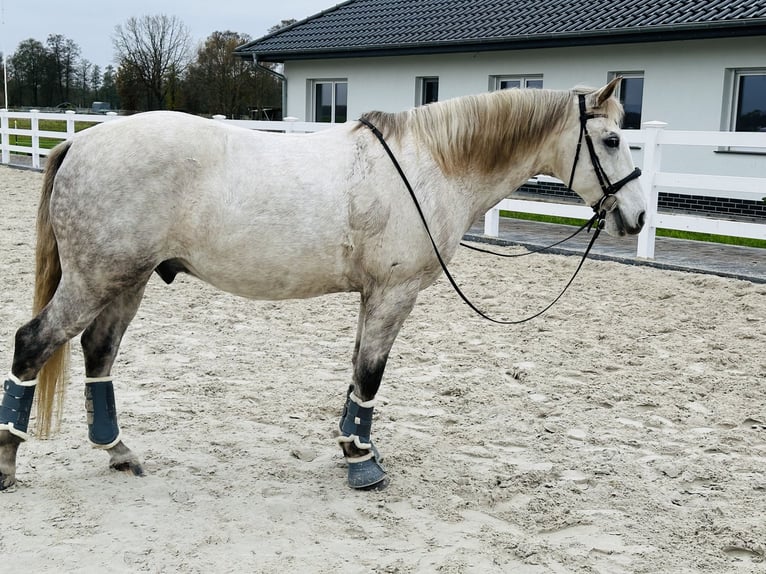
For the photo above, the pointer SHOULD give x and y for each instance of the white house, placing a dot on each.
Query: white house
(696, 65)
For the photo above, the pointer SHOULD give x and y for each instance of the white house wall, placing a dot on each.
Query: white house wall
(685, 83)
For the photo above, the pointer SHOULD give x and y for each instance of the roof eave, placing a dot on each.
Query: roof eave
(589, 38)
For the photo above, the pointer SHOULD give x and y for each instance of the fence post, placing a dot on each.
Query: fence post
(5, 137)
(652, 162)
(290, 126)
(35, 121)
(70, 124)
(492, 222)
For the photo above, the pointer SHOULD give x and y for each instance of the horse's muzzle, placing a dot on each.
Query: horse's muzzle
(620, 226)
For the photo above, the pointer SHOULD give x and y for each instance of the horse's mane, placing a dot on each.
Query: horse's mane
(485, 131)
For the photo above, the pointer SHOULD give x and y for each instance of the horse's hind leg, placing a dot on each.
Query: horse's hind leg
(381, 317)
(100, 344)
(36, 341)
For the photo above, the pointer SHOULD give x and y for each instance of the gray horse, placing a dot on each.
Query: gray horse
(273, 216)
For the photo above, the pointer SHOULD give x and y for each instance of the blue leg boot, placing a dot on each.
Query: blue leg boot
(364, 470)
(16, 406)
(103, 430)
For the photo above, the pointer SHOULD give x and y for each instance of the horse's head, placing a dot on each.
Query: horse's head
(597, 161)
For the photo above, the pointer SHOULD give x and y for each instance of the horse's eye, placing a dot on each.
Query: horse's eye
(612, 140)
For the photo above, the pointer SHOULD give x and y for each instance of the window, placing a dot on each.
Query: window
(427, 90)
(749, 101)
(330, 101)
(507, 82)
(631, 95)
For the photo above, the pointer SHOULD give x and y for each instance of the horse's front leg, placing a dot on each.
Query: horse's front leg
(103, 429)
(382, 314)
(100, 343)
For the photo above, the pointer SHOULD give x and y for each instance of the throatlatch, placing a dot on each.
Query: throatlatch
(16, 406)
(103, 430)
(364, 471)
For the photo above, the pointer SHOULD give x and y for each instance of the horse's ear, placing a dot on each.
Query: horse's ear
(607, 91)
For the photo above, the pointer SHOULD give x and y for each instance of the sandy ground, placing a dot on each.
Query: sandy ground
(625, 431)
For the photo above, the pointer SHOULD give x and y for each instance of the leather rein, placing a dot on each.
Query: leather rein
(607, 203)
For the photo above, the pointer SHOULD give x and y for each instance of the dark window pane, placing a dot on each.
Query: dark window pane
(631, 97)
(508, 84)
(323, 104)
(430, 90)
(751, 104)
(341, 102)
(536, 84)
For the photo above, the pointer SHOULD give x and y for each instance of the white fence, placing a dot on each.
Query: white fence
(9, 129)
(653, 138)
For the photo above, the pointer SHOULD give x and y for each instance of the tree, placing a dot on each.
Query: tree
(63, 56)
(96, 80)
(127, 83)
(282, 24)
(218, 82)
(107, 92)
(28, 71)
(83, 77)
(155, 51)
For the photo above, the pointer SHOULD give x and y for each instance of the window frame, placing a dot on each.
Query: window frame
(523, 79)
(731, 106)
(634, 75)
(421, 89)
(334, 82)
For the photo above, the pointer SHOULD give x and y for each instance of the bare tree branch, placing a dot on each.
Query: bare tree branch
(157, 50)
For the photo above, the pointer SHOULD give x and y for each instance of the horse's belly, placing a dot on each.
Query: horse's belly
(263, 277)
(277, 288)
(266, 244)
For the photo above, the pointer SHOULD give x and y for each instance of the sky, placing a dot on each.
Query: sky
(90, 23)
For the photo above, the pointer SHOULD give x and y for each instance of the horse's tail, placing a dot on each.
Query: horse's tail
(51, 378)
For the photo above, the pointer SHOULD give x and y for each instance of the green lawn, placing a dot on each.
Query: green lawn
(43, 125)
(725, 239)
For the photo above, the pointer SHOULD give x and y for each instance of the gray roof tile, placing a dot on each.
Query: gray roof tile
(375, 27)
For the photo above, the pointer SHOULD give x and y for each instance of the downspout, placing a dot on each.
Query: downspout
(282, 78)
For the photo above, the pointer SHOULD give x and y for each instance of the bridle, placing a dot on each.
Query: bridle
(604, 205)
(608, 200)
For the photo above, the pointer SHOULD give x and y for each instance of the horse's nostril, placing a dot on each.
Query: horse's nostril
(641, 218)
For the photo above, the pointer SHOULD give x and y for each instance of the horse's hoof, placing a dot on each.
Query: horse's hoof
(122, 458)
(134, 469)
(367, 475)
(6, 481)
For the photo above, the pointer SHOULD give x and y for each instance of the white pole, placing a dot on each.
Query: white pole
(652, 163)
(5, 79)
(5, 57)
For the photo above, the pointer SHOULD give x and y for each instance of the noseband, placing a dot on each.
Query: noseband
(608, 201)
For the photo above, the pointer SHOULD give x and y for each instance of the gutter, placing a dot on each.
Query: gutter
(281, 77)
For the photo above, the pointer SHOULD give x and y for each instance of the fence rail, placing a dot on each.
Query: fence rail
(657, 137)
(36, 151)
(654, 138)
